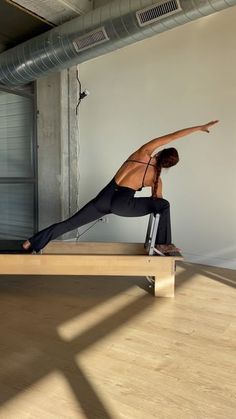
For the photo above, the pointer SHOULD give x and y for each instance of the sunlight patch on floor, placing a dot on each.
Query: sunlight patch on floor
(84, 321)
(32, 403)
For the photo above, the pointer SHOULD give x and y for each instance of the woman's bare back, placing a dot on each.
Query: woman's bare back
(131, 173)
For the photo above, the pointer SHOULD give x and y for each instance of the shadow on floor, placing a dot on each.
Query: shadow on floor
(32, 309)
(225, 276)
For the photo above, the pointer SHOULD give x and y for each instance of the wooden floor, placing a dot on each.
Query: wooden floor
(94, 347)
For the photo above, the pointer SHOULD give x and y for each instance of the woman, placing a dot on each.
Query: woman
(141, 169)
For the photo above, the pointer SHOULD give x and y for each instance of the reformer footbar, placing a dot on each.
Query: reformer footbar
(150, 241)
(151, 235)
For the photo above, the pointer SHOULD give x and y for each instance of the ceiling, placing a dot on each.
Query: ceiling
(21, 20)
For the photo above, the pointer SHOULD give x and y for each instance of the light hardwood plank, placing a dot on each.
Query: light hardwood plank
(101, 347)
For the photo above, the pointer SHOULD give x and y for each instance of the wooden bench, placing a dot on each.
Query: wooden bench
(123, 259)
(75, 258)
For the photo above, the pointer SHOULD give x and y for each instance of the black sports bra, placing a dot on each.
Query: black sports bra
(147, 165)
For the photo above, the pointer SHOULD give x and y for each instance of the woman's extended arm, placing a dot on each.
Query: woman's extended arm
(152, 145)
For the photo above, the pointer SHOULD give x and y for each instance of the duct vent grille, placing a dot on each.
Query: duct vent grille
(96, 37)
(158, 11)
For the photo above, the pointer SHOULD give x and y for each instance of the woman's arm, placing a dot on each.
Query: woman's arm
(152, 145)
(158, 192)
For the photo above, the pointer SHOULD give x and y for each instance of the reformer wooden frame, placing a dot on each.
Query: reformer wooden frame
(71, 258)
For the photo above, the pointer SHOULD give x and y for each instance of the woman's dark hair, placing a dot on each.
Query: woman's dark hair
(167, 157)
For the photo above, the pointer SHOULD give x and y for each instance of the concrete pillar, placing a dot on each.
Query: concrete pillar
(57, 96)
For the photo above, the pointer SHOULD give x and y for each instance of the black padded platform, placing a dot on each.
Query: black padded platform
(12, 246)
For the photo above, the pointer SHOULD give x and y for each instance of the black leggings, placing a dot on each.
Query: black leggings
(113, 199)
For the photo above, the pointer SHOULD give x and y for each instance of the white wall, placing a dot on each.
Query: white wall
(183, 77)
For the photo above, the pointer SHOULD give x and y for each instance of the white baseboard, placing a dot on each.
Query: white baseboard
(211, 261)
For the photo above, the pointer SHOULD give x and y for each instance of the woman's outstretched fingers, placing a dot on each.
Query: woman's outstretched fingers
(206, 127)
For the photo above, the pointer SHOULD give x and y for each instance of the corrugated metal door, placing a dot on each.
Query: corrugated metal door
(17, 167)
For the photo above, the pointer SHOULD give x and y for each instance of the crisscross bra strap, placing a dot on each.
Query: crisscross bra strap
(147, 165)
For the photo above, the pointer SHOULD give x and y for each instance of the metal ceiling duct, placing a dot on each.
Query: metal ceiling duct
(98, 32)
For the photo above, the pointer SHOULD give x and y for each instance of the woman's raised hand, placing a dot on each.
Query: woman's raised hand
(206, 127)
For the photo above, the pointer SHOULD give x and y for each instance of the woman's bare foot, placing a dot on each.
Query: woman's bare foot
(26, 245)
(166, 248)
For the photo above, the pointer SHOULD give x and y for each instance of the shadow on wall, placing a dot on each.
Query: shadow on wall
(224, 257)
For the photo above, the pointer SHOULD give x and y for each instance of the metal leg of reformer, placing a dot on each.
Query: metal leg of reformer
(151, 234)
(151, 280)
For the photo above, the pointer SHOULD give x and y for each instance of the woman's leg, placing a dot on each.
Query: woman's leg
(126, 205)
(84, 216)
(94, 210)
(164, 226)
